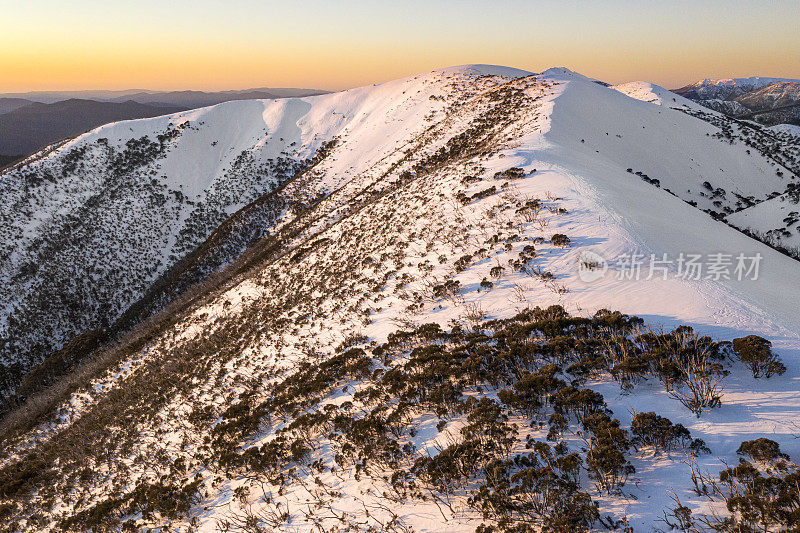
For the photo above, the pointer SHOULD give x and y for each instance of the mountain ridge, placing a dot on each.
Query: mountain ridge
(426, 219)
(49, 97)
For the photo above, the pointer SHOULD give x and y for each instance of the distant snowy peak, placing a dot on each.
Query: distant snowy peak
(565, 74)
(729, 88)
(752, 81)
(650, 92)
(766, 100)
(778, 94)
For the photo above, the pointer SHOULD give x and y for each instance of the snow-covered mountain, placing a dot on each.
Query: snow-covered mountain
(769, 101)
(87, 227)
(387, 309)
(731, 108)
(727, 88)
(773, 96)
(778, 103)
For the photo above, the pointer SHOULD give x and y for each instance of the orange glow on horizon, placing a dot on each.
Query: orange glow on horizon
(93, 45)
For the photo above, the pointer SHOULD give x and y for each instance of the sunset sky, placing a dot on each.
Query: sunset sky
(236, 44)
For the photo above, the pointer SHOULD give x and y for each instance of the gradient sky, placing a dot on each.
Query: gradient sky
(215, 44)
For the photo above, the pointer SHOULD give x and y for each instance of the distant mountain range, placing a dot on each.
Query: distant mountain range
(192, 99)
(31, 121)
(767, 100)
(186, 98)
(10, 104)
(31, 127)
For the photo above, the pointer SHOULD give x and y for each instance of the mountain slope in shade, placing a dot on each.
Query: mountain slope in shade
(347, 369)
(9, 159)
(728, 107)
(27, 129)
(10, 104)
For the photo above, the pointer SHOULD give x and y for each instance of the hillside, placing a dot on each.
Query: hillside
(778, 103)
(54, 116)
(29, 128)
(10, 104)
(772, 96)
(414, 306)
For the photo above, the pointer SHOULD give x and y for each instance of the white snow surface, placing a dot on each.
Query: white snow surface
(612, 213)
(654, 94)
(586, 138)
(786, 128)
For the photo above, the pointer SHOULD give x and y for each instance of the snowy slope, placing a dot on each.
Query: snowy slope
(452, 176)
(786, 128)
(87, 228)
(666, 143)
(650, 92)
(775, 221)
(658, 222)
